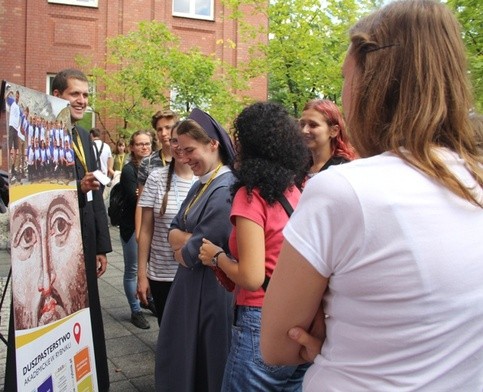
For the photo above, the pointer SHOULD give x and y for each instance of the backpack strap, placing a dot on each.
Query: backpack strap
(98, 153)
(286, 205)
(289, 210)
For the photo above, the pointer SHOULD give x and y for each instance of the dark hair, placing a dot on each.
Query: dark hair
(272, 155)
(169, 114)
(118, 143)
(95, 132)
(169, 178)
(60, 82)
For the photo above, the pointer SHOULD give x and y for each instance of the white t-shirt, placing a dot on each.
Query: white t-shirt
(162, 266)
(105, 154)
(14, 118)
(404, 257)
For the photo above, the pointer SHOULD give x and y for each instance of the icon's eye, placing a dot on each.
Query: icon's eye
(25, 239)
(60, 225)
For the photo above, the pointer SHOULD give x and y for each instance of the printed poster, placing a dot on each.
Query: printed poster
(53, 335)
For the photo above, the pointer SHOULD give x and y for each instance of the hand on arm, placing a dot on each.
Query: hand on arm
(311, 342)
(177, 239)
(249, 270)
(292, 300)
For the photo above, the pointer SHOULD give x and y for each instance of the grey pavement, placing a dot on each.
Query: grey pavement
(130, 350)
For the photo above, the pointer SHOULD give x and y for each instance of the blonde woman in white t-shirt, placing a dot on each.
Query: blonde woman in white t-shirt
(163, 193)
(390, 244)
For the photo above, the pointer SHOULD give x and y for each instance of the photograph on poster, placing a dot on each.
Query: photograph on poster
(39, 137)
(48, 268)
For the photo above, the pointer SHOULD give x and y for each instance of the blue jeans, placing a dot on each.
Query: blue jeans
(245, 369)
(130, 253)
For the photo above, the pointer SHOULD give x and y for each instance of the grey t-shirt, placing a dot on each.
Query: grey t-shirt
(148, 164)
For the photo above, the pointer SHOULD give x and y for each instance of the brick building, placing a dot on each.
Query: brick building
(40, 37)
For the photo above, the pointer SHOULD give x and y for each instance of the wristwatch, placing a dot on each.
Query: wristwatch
(214, 259)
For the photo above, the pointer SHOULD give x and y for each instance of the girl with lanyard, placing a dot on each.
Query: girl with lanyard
(194, 335)
(164, 191)
(119, 155)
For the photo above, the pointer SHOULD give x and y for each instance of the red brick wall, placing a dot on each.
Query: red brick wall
(37, 37)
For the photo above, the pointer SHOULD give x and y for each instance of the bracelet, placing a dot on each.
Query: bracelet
(214, 259)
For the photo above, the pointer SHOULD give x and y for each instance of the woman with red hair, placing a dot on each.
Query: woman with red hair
(324, 132)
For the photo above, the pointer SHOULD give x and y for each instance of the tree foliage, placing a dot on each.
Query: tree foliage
(146, 70)
(307, 46)
(470, 16)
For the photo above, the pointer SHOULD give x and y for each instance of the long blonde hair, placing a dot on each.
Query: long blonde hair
(411, 90)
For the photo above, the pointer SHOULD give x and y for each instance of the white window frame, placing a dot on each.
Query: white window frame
(80, 3)
(191, 13)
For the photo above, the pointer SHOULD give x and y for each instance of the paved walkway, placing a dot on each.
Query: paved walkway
(130, 350)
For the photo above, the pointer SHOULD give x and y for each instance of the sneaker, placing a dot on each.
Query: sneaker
(151, 307)
(139, 320)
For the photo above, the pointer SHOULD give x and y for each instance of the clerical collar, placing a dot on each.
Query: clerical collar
(205, 177)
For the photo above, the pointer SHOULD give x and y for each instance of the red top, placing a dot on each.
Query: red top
(272, 219)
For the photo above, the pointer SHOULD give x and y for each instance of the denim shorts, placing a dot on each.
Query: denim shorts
(245, 369)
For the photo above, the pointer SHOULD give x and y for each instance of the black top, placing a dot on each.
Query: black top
(128, 181)
(335, 160)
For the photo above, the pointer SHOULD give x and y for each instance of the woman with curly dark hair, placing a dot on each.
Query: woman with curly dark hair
(271, 161)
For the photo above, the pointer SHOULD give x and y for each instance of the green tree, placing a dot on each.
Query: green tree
(470, 16)
(147, 68)
(307, 45)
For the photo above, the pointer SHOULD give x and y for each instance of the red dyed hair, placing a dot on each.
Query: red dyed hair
(340, 145)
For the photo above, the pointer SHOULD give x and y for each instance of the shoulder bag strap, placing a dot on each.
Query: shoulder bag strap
(289, 210)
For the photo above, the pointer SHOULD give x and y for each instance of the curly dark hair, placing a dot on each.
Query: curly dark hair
(272, 155)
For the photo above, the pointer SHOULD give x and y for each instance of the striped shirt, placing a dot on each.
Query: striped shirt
(162, 266)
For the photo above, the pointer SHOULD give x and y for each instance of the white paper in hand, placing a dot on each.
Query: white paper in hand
(101, 177)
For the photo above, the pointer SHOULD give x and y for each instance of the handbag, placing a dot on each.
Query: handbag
(222, 279)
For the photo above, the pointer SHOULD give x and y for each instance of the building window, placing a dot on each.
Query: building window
(197, 9)
(89, 119)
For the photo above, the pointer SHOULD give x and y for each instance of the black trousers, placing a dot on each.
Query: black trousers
(159, 291)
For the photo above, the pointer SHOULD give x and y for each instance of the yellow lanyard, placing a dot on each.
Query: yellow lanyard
(205, 186)
(79, 151)
(162, 158)
(120, 159)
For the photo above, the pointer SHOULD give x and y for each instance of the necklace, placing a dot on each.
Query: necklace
(198, 194)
